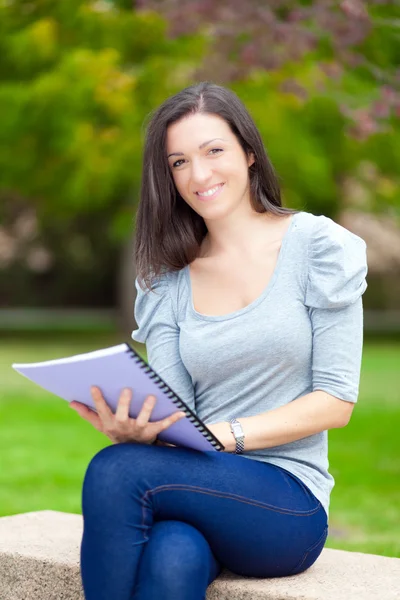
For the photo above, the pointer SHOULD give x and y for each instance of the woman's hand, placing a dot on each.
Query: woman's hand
(120, 427)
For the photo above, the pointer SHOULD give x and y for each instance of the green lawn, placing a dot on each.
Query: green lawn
(45, 447)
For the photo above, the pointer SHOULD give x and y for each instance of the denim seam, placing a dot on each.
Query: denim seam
(288, 511)
(242, 499)
(310, 549)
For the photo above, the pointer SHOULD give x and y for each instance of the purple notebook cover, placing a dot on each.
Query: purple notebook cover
(112, 369)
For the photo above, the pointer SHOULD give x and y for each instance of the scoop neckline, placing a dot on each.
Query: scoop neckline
(261, 297)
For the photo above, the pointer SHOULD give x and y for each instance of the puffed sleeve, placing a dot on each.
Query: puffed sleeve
(337, 268)
(158, 329)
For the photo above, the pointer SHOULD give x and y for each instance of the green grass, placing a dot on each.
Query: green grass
(365, 460)
(45, 447)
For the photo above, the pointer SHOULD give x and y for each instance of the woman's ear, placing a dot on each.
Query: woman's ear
(251, 159)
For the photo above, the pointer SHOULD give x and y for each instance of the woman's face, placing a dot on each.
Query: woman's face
(208, 165)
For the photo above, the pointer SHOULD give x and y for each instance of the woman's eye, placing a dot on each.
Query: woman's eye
(175, 164)
(178, 163)
(216, 150)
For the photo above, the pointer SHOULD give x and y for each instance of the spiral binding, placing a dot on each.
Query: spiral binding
(175, 399)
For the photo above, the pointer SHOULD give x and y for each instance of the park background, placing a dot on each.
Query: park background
(78, 81)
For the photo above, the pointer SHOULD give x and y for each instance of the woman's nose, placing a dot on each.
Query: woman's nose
(201, 172)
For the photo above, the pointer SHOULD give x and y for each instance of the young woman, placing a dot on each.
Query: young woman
(252, 314)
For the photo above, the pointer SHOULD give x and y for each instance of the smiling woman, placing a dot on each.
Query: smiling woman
(200, 139)
(206, 172)
(252, 313)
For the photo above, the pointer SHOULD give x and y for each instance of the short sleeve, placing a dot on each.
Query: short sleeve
(158, 329)
(337, 266)
(337, 269)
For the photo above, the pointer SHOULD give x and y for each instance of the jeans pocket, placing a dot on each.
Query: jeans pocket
(311, 554)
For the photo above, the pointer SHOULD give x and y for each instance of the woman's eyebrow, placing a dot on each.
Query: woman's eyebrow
(200, 147)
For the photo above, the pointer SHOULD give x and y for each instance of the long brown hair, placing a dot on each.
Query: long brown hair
(169, 232)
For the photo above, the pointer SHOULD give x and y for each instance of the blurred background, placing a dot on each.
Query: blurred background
(78, 80)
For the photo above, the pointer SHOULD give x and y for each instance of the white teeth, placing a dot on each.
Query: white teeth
(209, 192)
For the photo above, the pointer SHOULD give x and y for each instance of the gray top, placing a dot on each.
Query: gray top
(303, 333)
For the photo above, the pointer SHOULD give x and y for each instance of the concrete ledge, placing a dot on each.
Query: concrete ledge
(39, 560)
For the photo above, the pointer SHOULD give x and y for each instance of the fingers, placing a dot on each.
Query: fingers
(102, 408)
(122, 412)
(86, 413)
(165, 423)
(120, 426)
(143, 417)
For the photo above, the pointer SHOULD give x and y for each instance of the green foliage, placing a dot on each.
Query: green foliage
(382, 46)
(78, 79)
(308, 139)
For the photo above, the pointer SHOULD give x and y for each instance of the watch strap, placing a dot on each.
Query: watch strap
(238, 434)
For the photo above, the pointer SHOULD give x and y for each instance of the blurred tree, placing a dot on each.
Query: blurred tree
(310, 145)
(78, 80)
(320, 78)
(349, 35)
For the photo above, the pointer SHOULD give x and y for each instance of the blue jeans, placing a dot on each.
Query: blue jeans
(162, 522)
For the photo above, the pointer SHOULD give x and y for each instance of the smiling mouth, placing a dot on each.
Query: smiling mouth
(211, 191)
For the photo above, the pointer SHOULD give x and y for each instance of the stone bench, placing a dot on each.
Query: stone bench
(39, 560)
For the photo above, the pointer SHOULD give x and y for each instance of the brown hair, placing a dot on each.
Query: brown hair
(169, 232)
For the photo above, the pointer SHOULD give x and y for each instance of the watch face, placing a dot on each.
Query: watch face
(237, 429)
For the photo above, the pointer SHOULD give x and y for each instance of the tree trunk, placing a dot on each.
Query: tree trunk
(126, 292)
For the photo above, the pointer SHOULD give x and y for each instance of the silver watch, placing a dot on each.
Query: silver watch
(238, 433)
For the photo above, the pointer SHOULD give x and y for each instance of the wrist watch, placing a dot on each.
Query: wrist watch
(238, 433)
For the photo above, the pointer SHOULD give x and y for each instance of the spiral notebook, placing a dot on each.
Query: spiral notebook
(111, 369)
